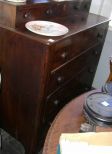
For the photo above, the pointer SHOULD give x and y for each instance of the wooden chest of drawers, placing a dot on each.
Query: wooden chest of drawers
(41, 74)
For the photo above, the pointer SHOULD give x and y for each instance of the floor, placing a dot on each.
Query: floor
(10, 145)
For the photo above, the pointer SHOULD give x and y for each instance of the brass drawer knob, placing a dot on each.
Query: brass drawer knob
(99, 36)
(76, 7)
(60, 79)
(27, 15)
(86, 6)
(86, 88)
(49, 12)
(95, 52)
(64, 55)
(56, 102)
(90, 70)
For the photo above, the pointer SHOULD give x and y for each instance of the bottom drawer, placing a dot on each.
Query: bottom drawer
(70, 90)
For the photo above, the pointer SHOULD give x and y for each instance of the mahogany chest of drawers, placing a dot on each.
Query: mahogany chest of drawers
(41, 74)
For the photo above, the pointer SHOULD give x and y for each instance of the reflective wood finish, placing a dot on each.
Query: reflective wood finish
(17, 14)
(41, 74)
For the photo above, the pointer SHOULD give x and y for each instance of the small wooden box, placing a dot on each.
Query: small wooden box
(16, 14)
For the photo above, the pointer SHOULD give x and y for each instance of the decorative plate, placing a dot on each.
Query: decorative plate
(46, 28)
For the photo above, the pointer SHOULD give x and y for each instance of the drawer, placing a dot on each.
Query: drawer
(82, 5)
(85, 6)
(94, 57)
(46, 11)
(86, 77)
(15, 15)
(70, 90)
(28, 14)
(69, 70)
(49, 11)
(76, 45)
(88, 74)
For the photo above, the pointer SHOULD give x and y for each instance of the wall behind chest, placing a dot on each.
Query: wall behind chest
(104, 8)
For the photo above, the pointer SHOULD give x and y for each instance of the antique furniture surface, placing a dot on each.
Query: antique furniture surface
(17, 14)
(68, 120)
(40, 74)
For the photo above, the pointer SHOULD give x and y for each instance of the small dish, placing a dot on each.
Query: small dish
(46, 28)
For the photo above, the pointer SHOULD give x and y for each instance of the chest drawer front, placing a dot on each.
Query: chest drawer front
(29, 14)
(56, 101)
(94, 57)
(82, 5)
(76, 45)
(70, 90)
(85, 5)
(46, 11)
(62, 75)
(50, 11)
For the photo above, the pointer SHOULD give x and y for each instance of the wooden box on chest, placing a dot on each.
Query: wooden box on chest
(41, 74)
(16, 15)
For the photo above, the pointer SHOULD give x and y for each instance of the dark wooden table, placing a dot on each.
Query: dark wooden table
(68, 120)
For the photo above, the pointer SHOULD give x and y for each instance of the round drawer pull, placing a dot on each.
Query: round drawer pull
(49, 12)
(56, 102)
(60, 79)
(86, 88)
(95, 52)
(76, 7)
(27, 15)
(64, 55)
(86, 6)
(90, 70)
(99, 35)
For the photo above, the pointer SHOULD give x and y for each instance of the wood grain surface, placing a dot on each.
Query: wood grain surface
(68, 120)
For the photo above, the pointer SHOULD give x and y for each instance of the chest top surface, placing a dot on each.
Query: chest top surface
(74, 26)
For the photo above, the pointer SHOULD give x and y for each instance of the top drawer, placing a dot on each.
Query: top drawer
(76, 45)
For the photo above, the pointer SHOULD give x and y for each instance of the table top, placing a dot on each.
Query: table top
(68, 120)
